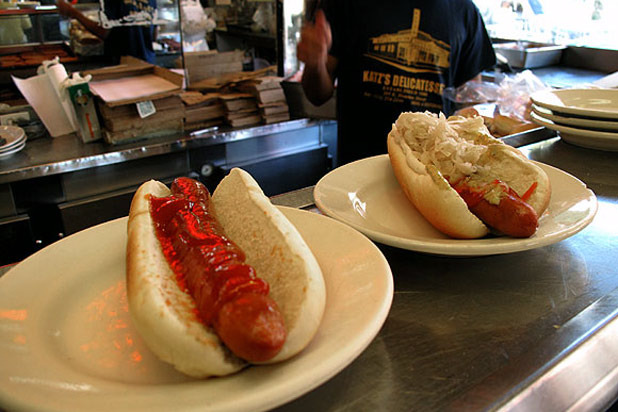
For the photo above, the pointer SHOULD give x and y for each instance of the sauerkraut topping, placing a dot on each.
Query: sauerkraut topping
(451, 145)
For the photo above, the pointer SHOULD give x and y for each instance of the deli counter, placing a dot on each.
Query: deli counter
(57, 186)
(530, 330)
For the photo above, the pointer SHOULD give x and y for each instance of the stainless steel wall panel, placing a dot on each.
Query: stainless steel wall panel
(16, 239)
(7, 203)
(280, 174)
(272, 144)
(95, 181)
(81, 214)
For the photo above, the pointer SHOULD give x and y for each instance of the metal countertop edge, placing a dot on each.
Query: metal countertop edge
(585, 346)
(112, 154)
(529, 136)
(579, 360)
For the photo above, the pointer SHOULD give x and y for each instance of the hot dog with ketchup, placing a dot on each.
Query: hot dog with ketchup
(214, 283)
(465, 182)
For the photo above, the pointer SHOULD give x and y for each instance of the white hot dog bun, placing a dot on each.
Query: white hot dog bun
(427, 151)
(164, 315)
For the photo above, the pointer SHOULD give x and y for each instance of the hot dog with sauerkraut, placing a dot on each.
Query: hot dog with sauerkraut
(465, 182)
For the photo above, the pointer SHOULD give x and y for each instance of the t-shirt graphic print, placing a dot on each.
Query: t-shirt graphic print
(414, 54)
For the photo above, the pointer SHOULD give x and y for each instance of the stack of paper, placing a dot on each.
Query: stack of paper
(138, 100)
(270, 97)
(240, 109)
(202, 110)
(47, 96)
(124, 122)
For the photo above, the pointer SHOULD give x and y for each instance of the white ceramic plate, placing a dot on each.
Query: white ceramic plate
(597, 103)
(592, 139)
(67, 342)
(581, 122)
(13, 135)
(12, 150)
(366, 195)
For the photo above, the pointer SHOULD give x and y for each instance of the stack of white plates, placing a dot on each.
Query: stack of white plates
(12, 140)
(584, 117)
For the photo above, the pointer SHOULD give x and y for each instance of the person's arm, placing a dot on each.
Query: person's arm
(313, 48)
(65, 9)
(477, 52)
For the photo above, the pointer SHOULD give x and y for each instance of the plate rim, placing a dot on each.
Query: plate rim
(13, 150)
(320, 375)
(469, 247)
(537, 98)
(16, 140)
(574, 130)
(570, 121)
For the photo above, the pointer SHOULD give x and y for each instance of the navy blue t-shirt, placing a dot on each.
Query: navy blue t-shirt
(395, 56)
(134, 40)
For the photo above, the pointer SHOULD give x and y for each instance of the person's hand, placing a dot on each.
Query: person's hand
(315, 42)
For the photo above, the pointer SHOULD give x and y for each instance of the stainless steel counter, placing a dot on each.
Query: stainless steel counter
(58, 186)
(533, 331)
(63, 154)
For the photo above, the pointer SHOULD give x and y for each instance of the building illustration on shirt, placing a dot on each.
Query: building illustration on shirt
(411, 50)
(139, 13)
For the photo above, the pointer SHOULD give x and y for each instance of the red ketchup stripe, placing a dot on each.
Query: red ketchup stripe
(511, 216)
(211, 268)
(530, 191)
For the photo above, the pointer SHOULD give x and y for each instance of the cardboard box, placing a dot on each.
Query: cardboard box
(133, 81)
(120, 89)
(126, 110)
(207, 64)
(146, 131)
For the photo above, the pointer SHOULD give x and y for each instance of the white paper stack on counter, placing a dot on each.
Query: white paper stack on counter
(583, 117)
(46, 94)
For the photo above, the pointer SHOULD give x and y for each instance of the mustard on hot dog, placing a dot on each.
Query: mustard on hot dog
(465, 182)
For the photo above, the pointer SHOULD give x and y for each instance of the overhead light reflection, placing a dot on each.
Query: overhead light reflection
(359, 206)
(70, 386)
(14, 314)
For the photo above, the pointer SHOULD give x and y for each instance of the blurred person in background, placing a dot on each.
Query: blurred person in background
(388, 57)
(14, 29)
(125, 40)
